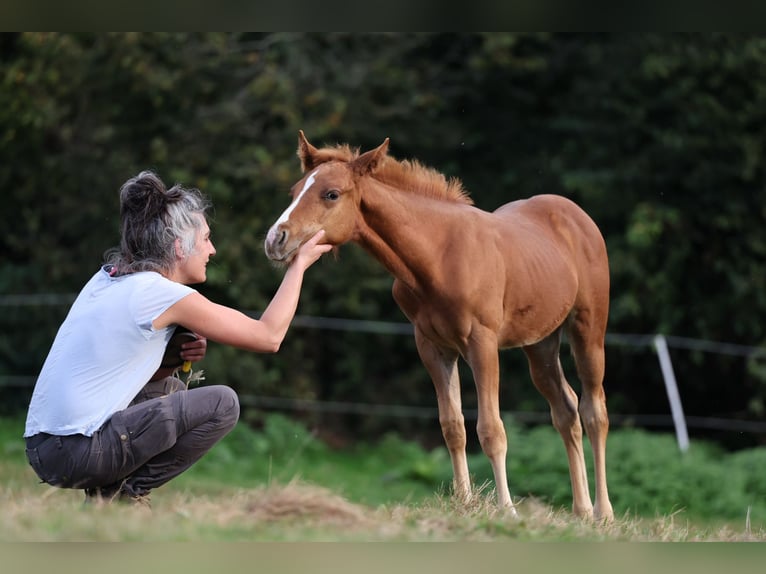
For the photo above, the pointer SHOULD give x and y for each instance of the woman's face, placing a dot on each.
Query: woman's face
(192, 268)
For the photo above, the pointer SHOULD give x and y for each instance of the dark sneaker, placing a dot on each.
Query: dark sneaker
(102, 494)
(116, 493)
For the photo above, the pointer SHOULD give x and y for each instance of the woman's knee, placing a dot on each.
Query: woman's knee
(217, 404)
(223, 404)
(229, 403)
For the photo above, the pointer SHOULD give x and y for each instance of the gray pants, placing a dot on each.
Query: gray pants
(156, 438)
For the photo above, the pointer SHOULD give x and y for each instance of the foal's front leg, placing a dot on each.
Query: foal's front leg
(441, 365)
(482, 356)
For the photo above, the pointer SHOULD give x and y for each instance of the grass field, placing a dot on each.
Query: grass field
(281, 485)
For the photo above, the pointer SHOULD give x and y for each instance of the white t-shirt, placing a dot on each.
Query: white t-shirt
(104, 353)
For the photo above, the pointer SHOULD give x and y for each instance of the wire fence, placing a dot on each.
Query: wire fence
(675, 418)
(408, 411)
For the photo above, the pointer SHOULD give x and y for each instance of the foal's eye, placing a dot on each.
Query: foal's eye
(332, 195)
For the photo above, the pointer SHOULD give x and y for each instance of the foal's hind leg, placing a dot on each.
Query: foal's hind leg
(441, 365)
(586, 338)
(545, 368)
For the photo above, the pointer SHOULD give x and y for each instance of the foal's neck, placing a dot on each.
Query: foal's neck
(406, 231)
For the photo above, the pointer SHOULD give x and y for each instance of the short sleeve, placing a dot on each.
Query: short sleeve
(153, 297)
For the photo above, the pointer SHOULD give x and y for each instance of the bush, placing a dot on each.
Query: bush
(646, 472)
(648, 475)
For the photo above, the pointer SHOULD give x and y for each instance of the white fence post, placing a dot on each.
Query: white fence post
(661, 346)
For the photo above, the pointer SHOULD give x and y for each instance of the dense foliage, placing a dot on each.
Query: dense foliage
(660, 137)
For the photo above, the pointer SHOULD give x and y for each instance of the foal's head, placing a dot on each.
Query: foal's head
(327, 197)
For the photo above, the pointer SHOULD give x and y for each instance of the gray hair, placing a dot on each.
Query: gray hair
(152, 218)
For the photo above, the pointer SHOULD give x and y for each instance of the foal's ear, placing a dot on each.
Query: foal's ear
(369, 161)
(307, 153)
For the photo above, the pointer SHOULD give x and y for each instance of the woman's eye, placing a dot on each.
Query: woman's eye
(332, 195)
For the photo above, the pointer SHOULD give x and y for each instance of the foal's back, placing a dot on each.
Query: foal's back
(557, 218)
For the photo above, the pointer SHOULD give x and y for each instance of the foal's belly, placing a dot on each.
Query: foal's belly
(527, 325)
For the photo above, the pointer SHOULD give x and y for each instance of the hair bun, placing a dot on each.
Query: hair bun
(147, 195)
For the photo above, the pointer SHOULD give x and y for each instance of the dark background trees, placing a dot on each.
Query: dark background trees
(660, 138)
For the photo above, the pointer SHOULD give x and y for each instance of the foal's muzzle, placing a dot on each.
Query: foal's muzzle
(275, 245)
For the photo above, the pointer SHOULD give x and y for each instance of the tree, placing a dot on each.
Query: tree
(659, 137)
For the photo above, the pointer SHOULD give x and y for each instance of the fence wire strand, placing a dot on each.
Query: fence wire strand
(403, 328)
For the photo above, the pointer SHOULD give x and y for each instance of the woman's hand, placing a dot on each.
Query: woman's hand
(191, 351)
(311, 251)
(195, 350)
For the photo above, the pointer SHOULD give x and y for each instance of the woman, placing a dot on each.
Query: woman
(104, 415)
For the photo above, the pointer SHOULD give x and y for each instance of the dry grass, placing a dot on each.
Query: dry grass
(304, 512)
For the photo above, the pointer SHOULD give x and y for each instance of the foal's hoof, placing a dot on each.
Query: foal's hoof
(508, 509)
(605, 519)
(603, 514)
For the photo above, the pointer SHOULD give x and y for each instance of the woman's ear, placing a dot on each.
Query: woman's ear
(179, 249)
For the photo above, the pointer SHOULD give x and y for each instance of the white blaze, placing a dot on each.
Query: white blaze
(286, 214)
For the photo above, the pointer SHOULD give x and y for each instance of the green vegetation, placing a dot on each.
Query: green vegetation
(281, 483)
(658, 136)
(648, 475)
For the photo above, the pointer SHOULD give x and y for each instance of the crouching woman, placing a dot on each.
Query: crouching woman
(105, 415)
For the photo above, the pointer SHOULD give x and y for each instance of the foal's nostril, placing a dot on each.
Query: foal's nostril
(282, 237)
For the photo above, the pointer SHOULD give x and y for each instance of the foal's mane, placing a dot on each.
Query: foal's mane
(409, 175)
